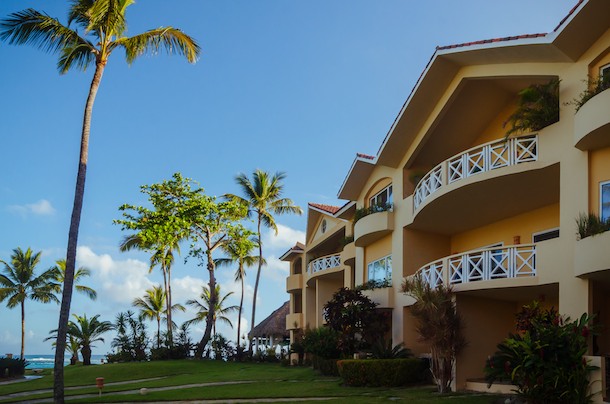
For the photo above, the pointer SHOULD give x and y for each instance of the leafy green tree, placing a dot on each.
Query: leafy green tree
(182, 209)
(239, 250)
(60, 276)
(19, 283)
(87, 331)
(220, 311)
(152, 306)
(439, 325)
(95, 29)
(263, 197)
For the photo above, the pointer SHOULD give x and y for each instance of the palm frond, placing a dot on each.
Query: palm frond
(170, 39)
(78, 55)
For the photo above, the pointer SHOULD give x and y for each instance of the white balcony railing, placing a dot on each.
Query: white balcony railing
(487, 157)
(481, 265)
(323, 263)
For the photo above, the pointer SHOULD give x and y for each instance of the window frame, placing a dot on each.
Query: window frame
(539, 233)
(601, 200)
(388, 197)
(603, 68)
(387, 269)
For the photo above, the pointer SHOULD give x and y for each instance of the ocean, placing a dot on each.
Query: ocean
(47, 361)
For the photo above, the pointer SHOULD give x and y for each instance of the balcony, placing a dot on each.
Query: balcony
(480, 159)
(325, 263)
(384, 297)
(371, 228)
(348, 255)
(294, 321)
(590, 257)
(294, 283)
(518, 261)
(592, 123)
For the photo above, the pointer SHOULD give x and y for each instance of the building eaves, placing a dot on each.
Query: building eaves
(325, 208)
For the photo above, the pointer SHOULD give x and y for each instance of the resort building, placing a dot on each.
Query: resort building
(449, 196)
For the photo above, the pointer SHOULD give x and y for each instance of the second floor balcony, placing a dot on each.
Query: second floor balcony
(487, 157)
(325, 263)
(494, 263)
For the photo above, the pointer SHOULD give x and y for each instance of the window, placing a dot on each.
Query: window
(381, 269)
(604, 73)
(545, 235)
(604, 200)
(384, 197)
(324, 226)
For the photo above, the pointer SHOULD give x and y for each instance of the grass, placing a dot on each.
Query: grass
(256, 381)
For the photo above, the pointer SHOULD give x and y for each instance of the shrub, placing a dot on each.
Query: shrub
(383, 349)
(11, 367)
(383, 372)
(375, 284)
(590, 224)
(327, 367)
(594, 87)
(362, 212)
(546, 359)
(164, 353)
(321, 342)
(538, 108)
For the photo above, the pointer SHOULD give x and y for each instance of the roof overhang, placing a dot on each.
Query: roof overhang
(358, 174)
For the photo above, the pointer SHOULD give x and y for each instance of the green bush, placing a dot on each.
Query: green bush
(11, 367)
(594, 87)
(383, 372)
(322, 342)
(545, 360)
(589, 224)
(327, 367)
(362, 212)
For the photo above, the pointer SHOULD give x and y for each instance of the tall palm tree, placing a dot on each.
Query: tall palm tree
(152, 306)
(263, 196)
(18, 283)
(60, 276)
(163, 256)
(239, 249)
(87, 331)
(203, 308)
(98, 29)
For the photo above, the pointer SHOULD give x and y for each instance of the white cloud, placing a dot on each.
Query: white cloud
(40, 208)
(286, 238)
(276, 270)
(121, 280)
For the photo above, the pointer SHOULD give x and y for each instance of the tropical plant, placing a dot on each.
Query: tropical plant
(222, 348)
(439, 325)
(183, 209)
(60, 276)
(538, 107)
(72, 346)
(362, 212)
(131, 340)
(590, 224)
(87, 331)
(545, 358)
(322, 342)
(220, 309)
(351, 315)
(594, 87)
(152, 306)
(19, 283)
(98, 28)
(383, 349)
(239, 250)
(263, 197)
(375, 284)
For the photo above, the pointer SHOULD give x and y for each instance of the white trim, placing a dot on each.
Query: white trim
(389, 197)
(388, 270)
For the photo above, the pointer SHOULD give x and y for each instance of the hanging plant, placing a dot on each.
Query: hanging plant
(538, 108)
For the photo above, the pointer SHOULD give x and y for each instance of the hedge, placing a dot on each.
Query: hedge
(327, 367)
(12, 367)
(383, 372)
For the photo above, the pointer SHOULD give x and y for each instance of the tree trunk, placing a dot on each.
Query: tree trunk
(22, 328)
(79, 193)
(170, 331)
(158, 331)
(258, 276)
(86, 352)
(209, 321)
(241, 304)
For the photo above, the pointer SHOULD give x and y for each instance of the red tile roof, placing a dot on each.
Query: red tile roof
(365, 156)
(568, 16)
(327, 208)
(486, 41)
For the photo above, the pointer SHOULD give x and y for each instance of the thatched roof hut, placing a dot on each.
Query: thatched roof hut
(273, 326)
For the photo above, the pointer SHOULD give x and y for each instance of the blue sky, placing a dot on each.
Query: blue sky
(295, 86)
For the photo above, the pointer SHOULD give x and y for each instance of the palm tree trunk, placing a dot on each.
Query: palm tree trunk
(158, 331)
(170, 331)
(66, 299)
(258, 276)
(241, 304)
(22, 328)
(167, 300)
(86, 352)
(209, 321)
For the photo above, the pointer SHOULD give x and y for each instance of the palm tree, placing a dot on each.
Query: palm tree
(60, 276)
(18, 283)
(162, 255)
(87, 331)
(262, 196)
(102, 25)
(239, 249)
(152, 306)
(220, 312)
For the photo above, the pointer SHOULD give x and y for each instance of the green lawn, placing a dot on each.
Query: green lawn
(251, 381)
